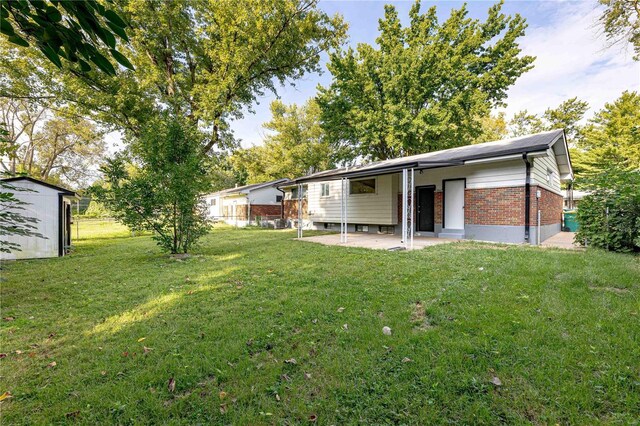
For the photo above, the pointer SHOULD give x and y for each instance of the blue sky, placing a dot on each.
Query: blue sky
(572, 56)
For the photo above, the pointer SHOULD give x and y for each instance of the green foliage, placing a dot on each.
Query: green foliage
(424, 87)
(565, 116)
(97, 210)
(158, 188)
(494, 127)
(621, 22)
(296, 148)
(611, 138)
(79, 31)
(610, 216)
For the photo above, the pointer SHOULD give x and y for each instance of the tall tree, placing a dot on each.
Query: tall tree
(494, 127)
(621, 22)
(611, 138)
(422, 87)
(204, 60)
(157, 185)
(568, 116)
(296, 147)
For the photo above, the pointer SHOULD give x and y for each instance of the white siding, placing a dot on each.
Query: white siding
(264, 196)
(487, 175)
(379, 208)
(43, 205)
(539, 172)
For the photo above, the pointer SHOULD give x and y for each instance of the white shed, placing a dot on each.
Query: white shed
(51, 206)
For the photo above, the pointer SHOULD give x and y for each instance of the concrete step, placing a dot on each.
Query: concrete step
(451, 233)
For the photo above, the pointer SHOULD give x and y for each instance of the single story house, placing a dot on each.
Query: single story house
(51, 206)
(573, 197)
(503, 191)
(241, 205)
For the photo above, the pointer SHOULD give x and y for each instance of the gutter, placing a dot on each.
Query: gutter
(281, 202)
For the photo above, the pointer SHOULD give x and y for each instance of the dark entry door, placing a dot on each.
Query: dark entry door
(425, 208)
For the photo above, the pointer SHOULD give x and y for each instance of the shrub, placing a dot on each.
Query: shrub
(610, 216)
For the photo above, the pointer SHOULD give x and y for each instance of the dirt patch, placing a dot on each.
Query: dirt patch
(615, 290)
(419, 317)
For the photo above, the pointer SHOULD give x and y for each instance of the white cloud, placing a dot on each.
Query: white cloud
(573, 59)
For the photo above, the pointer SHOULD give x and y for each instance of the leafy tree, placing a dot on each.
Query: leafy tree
(158, 185)
(567, 116)
(494, 127)
(422, 87)
(78, 31)
(621, 22)
(609, 216)
(51, 146)
(611, 138)
(296, 148)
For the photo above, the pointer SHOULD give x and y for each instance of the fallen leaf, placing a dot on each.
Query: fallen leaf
(223, 408)
(313, 418)
(104, 373)
(6, 395)
(291, 361)
(52, 364)
(285, 378)
(190, 292)
(125, 354)
(496, 381)
(341, 309)
(222, 394)
(171, 385)
(315, 321)
(141, 339)
(386, 331)
(9, 318)
(405, 359)
(3, 355)
(146, 350)
(32, 354)
(345, 326)
(277, 397)
(307, 375)
(51, 335)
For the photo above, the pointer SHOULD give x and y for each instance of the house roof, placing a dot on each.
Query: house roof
(538, 142)
(248, 188)
(42, 183)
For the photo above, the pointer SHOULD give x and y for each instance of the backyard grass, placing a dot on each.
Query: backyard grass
(257, 328)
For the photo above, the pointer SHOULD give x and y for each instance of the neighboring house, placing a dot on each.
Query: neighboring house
(572, 198)
(503, 191)
(241, 205)
(51, 205)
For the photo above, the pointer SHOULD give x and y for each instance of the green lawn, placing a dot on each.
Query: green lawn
(257, 328)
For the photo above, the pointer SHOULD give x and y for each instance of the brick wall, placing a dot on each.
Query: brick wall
(291, 209)
(265, 210)
(241, 212)
(505, 206)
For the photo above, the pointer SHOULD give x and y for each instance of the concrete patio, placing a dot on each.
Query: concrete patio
(376, 241)
(563, 240)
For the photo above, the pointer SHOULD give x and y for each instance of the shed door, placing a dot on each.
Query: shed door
(454, 204)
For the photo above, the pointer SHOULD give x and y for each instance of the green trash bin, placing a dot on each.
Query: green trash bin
(570, 221)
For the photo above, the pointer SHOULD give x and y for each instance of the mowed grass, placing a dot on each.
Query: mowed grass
(257, 328)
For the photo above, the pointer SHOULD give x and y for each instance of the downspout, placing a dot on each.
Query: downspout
(527, 198)
(281, 203)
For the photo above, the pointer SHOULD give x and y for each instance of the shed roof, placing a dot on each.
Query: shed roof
(455, 156)
(65, 191)
(248, 188)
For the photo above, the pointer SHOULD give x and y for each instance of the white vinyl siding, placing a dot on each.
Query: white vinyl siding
(377, 208)
(488, 175)
(540, 169)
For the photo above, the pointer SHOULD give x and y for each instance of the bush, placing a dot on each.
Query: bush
(610, 216)
(97, 210)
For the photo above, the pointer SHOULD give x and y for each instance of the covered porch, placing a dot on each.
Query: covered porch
(376, 241)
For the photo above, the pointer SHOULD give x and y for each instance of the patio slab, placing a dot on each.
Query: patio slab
(562, 240)
(376, 241)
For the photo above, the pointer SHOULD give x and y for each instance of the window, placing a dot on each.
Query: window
(329, 225)
(278, 198)
(294, 193)
(324, 189)
(386, 229)
(549, 175)
(362, 228)
(362, 186)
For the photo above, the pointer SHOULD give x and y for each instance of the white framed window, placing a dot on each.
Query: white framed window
(549, 176)
(362, 228)
(324, 189)
(362, 186)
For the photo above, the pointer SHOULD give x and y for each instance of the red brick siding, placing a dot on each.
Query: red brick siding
(505, 206)
(264, 210)
(291, 209)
